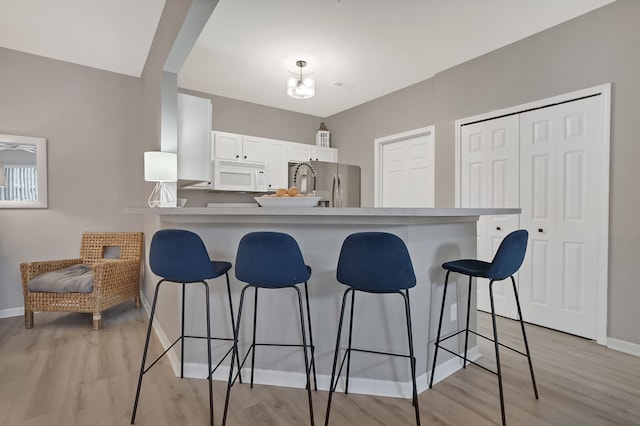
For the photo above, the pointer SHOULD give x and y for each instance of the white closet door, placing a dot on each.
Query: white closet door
(490, 178)
(561, 175)
(408, 172)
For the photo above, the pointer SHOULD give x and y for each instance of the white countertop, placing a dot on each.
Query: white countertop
(318, 214)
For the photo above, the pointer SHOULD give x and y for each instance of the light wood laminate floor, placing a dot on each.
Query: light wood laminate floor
(64, 373)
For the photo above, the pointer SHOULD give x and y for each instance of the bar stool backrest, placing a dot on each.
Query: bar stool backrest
(180, 256)
(509, 256)
(376, 262)
(270, 259)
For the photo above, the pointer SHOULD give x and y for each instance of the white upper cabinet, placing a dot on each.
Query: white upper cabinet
(321, 153)
(305, 152)
(227, 146)
(194, 138)
(300, 152)
(277, 165)
(254, 149)
(231, 146)
(275, 154)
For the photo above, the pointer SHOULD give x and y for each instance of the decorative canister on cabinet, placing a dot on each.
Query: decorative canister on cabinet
(323, 136)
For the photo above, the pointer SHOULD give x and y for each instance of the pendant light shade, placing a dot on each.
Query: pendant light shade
(301, 86)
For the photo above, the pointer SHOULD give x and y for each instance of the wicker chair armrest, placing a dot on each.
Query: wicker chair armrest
(111, 275)
(29, 270)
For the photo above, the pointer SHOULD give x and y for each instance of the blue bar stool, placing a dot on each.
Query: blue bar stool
(180, 256)
(374, 262)
(505, 264)
(272, 260)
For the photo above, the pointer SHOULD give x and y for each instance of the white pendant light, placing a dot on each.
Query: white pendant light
(301, 86)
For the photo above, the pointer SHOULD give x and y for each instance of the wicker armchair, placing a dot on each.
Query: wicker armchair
(114, 280)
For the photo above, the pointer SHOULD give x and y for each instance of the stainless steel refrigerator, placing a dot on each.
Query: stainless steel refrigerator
(337, 184)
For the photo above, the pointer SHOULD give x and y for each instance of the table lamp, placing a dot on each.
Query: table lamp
(161, 167)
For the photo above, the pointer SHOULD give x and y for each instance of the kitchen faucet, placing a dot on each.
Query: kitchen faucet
(313, 173)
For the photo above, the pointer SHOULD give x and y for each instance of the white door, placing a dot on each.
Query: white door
(490, 178)
(562, 173)
(408, 172)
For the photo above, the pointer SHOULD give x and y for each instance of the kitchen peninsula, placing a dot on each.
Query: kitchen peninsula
(432, 235)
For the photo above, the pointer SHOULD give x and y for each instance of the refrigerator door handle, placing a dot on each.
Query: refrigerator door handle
(334, 191)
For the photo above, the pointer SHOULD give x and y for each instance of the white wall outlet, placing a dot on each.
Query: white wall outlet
(454, 312)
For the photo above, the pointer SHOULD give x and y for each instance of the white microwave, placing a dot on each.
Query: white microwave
(239, 176)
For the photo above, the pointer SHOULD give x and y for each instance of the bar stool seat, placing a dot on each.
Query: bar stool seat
(180, 256)
(505, 264)
(378, 263)
(272, 260)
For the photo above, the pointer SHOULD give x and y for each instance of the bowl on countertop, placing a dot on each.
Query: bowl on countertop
(303, 201)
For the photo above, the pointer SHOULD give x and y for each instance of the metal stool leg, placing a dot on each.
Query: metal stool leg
(209, 371)
(253, 344)
(437, 344)
(233, 323)
(497, 349)
(233, 357)
(313, 348)
(524, 337)
(412, 358)
(353, 302)
(334, 381)
(144, 352)
(182, 333)
(466, 333)
(306, 358)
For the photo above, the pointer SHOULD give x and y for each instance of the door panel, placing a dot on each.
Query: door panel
(559, 149)
(490, 178)
(408, 168)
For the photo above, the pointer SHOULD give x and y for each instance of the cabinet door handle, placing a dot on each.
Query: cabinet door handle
(540, 230)
(237, 156)
(245, 157)
(497, 228)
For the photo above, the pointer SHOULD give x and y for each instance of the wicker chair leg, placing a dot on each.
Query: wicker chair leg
(138, 302)
(97, 320)
(28, 319)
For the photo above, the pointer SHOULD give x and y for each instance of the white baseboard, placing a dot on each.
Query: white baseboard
(12, 312)
(385, 388)
(623, 346)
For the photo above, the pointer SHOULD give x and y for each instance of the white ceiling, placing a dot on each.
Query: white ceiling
(358, 49)
(113, 35)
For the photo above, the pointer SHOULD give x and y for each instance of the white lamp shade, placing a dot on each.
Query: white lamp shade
(301, 86)
(160, 166)
(2, 178)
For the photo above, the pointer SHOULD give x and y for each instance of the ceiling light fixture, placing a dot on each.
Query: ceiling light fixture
(301, 86)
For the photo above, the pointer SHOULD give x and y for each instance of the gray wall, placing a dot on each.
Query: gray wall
(234, 116)
(90, 120)
(597, 48)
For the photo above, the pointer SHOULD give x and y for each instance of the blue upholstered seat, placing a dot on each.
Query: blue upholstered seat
(180, 256)
(272, 260)
(375, 262)
(379, 263)
(505, 264)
